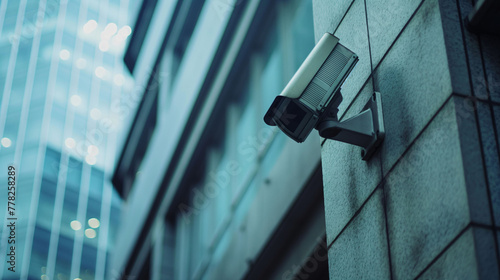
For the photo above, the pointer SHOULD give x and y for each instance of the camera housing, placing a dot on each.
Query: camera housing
(311, 99)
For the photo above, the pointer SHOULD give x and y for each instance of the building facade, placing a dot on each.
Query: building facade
(61, 69)
(213, 193)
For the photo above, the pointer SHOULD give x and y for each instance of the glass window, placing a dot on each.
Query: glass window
(28, 161)
(46, 203)
(302, 33)
(247, 147)
(12, 126)
(96, 182)
(70, 208)
(51, 164)
(68, 42)
(74, 176)
(248, 140)
(114, 221)
(80, 134)
(71, 21)
(64, 257)
(34, 126)
(272, 73)
(222, 198)
(56, 127)
(93, 212)
(39, 251)
(87, 267)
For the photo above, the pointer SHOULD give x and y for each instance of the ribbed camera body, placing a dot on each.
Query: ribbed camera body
(299, 107)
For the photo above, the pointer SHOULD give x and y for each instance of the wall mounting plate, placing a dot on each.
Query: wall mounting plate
(375, 106)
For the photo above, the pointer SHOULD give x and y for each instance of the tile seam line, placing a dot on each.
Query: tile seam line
(444, 250)
(342, 19)
(384, 178)
(378, 64)
(369, 43)
(410, 145)
(382, 184)
(488, 227)
(354, 215)
(476, 99)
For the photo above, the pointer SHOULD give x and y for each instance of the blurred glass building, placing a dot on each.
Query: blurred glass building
(62, 79)
(211, 192)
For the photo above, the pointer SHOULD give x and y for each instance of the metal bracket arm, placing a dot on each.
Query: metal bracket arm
(366, 129)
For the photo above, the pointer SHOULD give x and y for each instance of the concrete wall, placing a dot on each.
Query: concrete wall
(427, 203)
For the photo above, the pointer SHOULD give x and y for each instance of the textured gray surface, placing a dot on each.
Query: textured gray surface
(327, 17)
(352, 34)
(385, 23)
(426, 197)
(437, 186)
(491, 158)
(414, 81)
(361, 251)
(487, 262)
(470, 149)
(458, 262)
(347, 179)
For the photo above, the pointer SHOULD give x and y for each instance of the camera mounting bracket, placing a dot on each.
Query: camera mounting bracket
(366, 129)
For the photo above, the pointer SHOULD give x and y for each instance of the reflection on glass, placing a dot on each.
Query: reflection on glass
(90, 233)
(81, 63)
(76, 100)
(104, 46)
(101, 72)
(64, 54)
(93, 150)
(90, 26)
(6, 142)
(76, 225)
(90, 159)
(94, 223)
(95, 114)
(55, 140)
(109, 31)
(70, 142)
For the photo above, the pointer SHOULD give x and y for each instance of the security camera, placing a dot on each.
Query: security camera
(311, 99)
